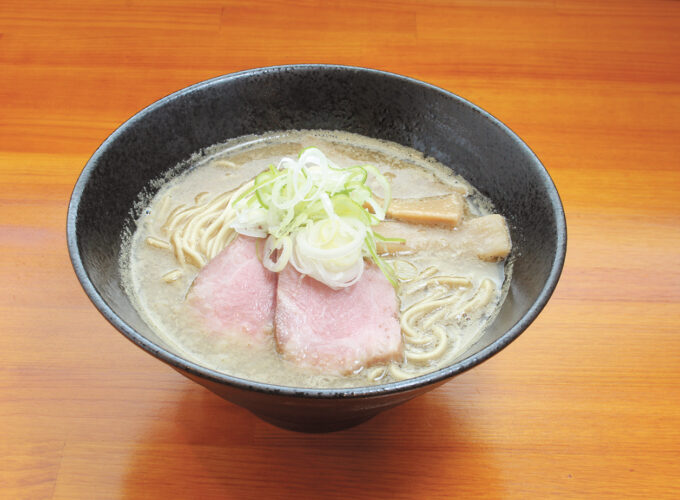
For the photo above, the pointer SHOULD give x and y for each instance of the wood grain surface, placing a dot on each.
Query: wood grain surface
(585, 404)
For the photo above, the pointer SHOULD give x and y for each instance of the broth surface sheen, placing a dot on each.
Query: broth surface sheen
(227, 166)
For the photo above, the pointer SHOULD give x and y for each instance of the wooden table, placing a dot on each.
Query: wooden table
(586, 403)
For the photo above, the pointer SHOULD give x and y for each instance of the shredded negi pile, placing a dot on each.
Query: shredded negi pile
(319, 217)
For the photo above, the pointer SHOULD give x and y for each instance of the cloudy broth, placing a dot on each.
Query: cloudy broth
(226, 167)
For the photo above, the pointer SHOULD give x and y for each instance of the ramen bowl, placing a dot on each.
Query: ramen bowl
(368, 102)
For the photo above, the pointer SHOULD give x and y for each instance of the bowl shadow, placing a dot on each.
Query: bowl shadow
(208, 448)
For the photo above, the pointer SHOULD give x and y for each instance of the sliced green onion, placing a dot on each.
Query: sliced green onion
(380, 237)
(317, 216)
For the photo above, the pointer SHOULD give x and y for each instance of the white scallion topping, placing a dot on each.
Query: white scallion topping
(316, 216)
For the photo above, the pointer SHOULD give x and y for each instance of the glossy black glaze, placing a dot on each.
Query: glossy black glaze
(369, 102)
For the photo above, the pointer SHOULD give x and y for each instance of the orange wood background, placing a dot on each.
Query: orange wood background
(586, 403)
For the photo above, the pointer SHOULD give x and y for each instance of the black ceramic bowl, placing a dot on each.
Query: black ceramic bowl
(368, 102)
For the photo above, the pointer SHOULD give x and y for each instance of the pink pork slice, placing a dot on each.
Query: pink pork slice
(235, 295)
(337, 331)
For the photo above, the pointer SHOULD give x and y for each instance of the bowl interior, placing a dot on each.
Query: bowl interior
(368, 102)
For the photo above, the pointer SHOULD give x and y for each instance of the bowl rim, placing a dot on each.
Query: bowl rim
(301, 392)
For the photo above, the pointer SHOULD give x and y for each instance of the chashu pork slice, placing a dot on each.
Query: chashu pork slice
(234, 295)
(337, 331)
